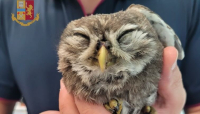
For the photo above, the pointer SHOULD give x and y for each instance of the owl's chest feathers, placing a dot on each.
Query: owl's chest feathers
(126, 87)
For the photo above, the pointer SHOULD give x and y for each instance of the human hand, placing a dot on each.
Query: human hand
(171, 97)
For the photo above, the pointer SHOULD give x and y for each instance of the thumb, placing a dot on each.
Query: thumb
(170, 55)
(66, 101)
(169, 61)
(171, 93)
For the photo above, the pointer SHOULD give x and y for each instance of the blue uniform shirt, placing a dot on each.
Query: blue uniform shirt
(28, 55)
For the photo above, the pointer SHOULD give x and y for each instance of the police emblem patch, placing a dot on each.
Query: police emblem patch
(25, 11)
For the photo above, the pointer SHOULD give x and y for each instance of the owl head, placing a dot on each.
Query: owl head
(105, 50)
(107, 47)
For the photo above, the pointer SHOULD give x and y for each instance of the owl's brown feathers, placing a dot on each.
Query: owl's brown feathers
(135, 52)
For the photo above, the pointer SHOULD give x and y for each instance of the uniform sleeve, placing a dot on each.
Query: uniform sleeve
(8, 87)
(191, 64)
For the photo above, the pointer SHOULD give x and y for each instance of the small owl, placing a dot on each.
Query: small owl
(116, 59)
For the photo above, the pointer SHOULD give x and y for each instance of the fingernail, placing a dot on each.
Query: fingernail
(174, 65)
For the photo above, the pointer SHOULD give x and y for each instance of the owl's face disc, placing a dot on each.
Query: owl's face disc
(106, 48)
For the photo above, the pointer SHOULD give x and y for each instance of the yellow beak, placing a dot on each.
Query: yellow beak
(103, 57)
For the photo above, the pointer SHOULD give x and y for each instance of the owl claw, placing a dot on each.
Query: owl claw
(114, 106)
(148, 110)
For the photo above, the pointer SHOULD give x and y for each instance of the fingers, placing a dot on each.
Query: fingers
(66, 101)
(88, 108)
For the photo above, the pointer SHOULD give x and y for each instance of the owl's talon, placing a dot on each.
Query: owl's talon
(114, 106)
(108, 108)
(148, 110)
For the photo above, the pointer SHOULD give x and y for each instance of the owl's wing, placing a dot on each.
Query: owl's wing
(165, 33)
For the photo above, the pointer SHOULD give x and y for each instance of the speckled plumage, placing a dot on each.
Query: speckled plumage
(135, 44)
